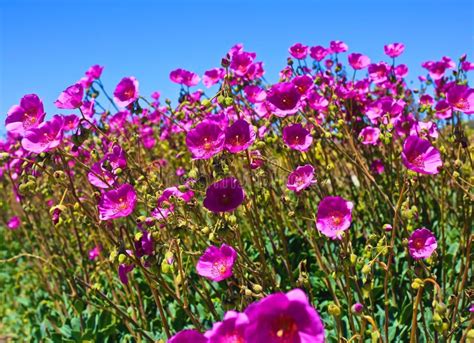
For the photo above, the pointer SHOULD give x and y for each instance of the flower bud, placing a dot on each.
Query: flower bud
(122, 258)
(257, 288)
(357, 308)
(334, 310)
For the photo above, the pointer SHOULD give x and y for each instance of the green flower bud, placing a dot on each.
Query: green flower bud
(122, 258)
(334, 310)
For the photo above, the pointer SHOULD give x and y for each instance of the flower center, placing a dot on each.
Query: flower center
(285, 329)
(418, 243)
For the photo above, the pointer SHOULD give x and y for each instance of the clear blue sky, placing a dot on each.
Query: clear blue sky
(47, 45)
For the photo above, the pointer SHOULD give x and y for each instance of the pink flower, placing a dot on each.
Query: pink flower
(205, 140)
(301, 178)
(95, 252)
(394, 50)
(211, 77)
(239, 136)
(378, 73)
(29, 114)
(285, 97)
(117, 203)
(443, 110)
(420, 156)
(358, 61)
(230, 330)
(184, 77)
(422, 243)
(241, 62)
(216, 263)
(47, 136)
(337, 46)
(318, 53)
(298, 51)
(95, 71)
(188, 336)
(100, 177)
(461, 98)
(256, 160)
(369, 135)
(224, 195)
(334, 216)
(14, 223)
(281, 318)
(164, 205)
(255, 94)
(377, 167)
(126, 91)
(303, 83)
(123, 271)
(297, 137)
(70, 98)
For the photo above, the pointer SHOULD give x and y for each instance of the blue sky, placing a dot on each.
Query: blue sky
(47, 45)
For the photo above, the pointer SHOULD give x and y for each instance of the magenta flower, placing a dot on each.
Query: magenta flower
(164, 205)
(95, 71)
(123, 271)
(100, 177)
(334, 216)
(420, 156)
(14, 223)
(298, 51)
(205, 140)
(297, 137)
(29, 114)
(303, 83)
(285, 97)
(461, 98)
(358, 61)
(211, 77)
(241, 62)
(394, 50)
(239, 136)
(47, 136)
(301, 178)
(318, 52)
(422, 243)
(216, 263)
(377, 167)
(369, 135)
(281, 318)
(256, 160)
(184, 77)
(337, 46)
(224, 195)
(188, 336)
(230, 330)
(117, 203)
(95, 252)
(70, 98)
(126, 91)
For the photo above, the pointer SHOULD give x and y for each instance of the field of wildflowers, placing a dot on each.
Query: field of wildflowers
(334, 205)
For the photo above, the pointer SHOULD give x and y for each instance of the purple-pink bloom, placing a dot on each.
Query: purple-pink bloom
(14, 223)
(47, 136)
(95, 252)
(420, 156)
(188, 336)
(100, 177)
(318, 52)
(297, 137)
(239, 136)
(95, 71)
(285, 97)
(358, 61)
(29, 114)
(301, 178)
(216, 263)
(117, 203)
(126, 91)
(369, 135)
(461, 98)
(298, 51)
(184, 77)
(205, 140)
(211, 77)
(241, 62)
(281, 318)
(123, 271)
(422, 243)
(230, 330)
(394, 50)
(337, 46)
(224, 195)
(334, 216)
(71, 97)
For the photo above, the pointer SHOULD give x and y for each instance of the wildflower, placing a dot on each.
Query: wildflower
(241, 62)
(301, 178)
(239, 136)
(211, 77)
(47, 136)
(334, 216)
(188, 336)
(14, 223)
(117, 203)
(394, 50)
(216, 263)
(165, 207)
(230, 330)
(297, 137)
(357, 308)
(71, 97)
(461, 98)
(303, 83)
(256, 160)
(28, 115)
(205, 140)
(100, 177)
(369, 135)
(377, 167)
(95, 252)
(285, 97)
(123, 271)
(318, 53)
(224, 195)
(184, 77)
(298, 51)
(337, 46)
(95, 71)
(422, 243)
(358, 61)
(126, 91)
(280, 318)
(420, 156)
